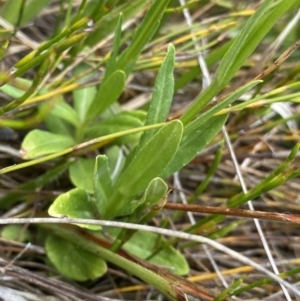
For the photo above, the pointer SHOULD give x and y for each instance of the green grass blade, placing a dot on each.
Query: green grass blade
(52, 174)
(107, 20)
(196, 123)
(254, 31)
(11, 10)
(100, 140)
(145, 32)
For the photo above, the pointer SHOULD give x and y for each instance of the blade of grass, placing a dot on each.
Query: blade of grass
(145, 32)
(256, 28)
(94, 143)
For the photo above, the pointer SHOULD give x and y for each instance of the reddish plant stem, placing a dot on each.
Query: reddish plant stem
(273, 216)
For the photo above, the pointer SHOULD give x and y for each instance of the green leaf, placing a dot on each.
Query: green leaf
(96, 9)
(64, 111)
(121, 122)
(219, 106)
(75, 203)
(16, 233)
(38, 143)
(146, 165)
(73, 261)
(193, 142)
(112, 62)
(227, 292)
(108, 23)
(126, 207)
(142, 244)
(145, 32)
(57, 125)
(155, 192)
(212, 57)
(152, 159)
(162, 95)
(11, 91)
(84, 97)
(157, 281)
(107, 94)
(3, 49)
(102, 184)
(254, 31)
(116, 161)
(11, 10)
(81, 174)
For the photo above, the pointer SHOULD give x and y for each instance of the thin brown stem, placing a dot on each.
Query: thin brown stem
(273, 216)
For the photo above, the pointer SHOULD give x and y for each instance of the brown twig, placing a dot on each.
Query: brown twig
(273, 216)
(279, 61)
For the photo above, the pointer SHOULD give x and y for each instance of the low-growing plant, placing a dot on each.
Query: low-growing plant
(118, 161)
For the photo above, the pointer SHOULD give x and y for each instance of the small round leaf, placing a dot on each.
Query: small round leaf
(75, 203)
(72, 261)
